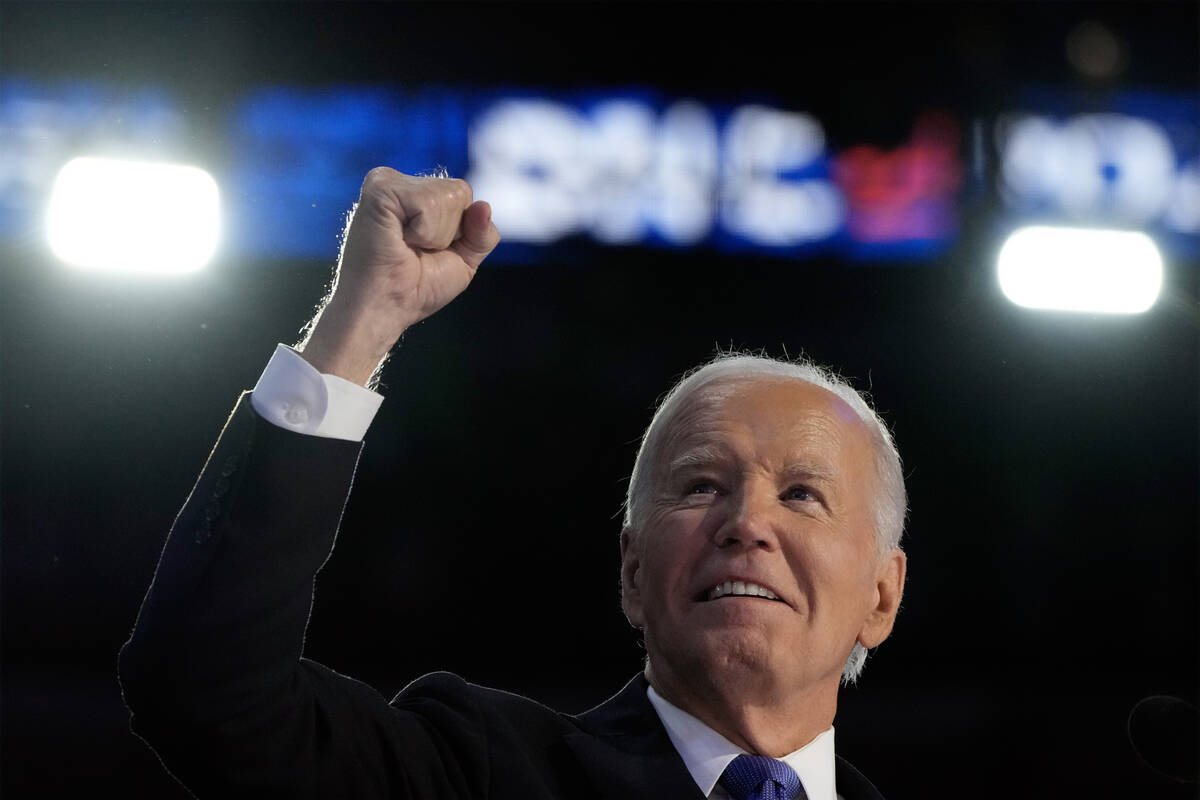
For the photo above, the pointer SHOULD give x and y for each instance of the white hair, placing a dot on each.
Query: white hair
(890, 502)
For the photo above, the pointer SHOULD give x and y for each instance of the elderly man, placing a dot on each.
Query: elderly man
(759, 556)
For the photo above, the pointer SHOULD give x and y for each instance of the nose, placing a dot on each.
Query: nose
(750, 521)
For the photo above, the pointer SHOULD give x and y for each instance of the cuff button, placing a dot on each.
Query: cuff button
(295, 413)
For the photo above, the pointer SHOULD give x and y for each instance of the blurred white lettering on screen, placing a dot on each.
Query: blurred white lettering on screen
(622, 171)
(1098, 166)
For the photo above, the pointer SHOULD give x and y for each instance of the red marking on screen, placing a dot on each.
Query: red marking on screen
(906, 193)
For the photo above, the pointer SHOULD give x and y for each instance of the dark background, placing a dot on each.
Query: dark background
(1052, 458)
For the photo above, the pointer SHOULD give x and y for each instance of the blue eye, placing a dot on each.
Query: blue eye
(702, 487)
(798, 493)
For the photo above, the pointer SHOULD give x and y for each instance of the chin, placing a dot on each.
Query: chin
(725, 658)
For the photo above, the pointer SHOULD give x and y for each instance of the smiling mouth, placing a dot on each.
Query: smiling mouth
(738, 589)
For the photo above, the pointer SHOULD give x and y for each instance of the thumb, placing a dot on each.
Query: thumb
(478, 235)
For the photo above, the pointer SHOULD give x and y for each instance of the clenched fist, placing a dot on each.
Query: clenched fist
(412, 246)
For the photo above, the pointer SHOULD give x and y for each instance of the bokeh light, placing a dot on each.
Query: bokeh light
(112, 214)
(1077, 269)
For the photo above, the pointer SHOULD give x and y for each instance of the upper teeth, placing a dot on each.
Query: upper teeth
(740, 587)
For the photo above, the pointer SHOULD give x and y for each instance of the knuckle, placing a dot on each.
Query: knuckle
(428, 199)
(380, 175)
(445, 196)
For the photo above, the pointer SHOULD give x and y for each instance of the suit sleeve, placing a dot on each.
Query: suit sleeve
(213, 673)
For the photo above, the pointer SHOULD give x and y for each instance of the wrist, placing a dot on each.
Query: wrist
(349, 345)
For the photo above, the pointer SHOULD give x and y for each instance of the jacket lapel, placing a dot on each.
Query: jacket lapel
(624, 749)
(852, 784)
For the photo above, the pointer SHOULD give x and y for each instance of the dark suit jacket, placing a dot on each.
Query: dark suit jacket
(214, 677)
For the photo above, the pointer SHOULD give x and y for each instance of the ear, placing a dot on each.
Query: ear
(631, 596)
(889, 586)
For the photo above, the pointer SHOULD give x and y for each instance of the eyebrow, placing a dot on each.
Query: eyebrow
(700, 456)
(809, 471)
(709, 454)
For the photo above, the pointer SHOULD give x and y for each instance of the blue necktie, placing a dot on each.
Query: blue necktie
(761, 778)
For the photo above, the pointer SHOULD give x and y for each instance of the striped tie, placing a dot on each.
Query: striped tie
(761, 778)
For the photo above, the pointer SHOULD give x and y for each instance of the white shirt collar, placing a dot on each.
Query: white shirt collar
(706, 753)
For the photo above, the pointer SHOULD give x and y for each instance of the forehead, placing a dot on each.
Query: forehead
(780, 414)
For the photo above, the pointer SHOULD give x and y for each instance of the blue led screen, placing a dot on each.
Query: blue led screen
(625, 166)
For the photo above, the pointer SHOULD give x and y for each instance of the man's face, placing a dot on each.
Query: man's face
(764, 483)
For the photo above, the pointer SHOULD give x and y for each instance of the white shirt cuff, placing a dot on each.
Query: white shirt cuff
(292, 394)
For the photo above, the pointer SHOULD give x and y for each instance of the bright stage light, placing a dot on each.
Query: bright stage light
(133, 216)
(1077, 269)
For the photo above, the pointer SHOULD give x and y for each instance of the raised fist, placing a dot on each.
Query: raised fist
(413, 244)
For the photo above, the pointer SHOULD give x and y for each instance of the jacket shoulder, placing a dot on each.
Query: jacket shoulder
(521, 741)
(498, 707)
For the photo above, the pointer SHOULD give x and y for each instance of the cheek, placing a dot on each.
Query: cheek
(657, 571)
(856, 586)
(665, 569)
(836, 570)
